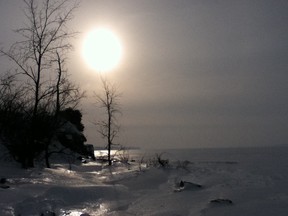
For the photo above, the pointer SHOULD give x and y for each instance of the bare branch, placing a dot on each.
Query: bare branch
(108, 100)
(44, 34)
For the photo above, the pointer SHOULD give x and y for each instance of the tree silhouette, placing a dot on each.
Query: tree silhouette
(39, 60)
(45, 33)
(109, 127)
(67, 93)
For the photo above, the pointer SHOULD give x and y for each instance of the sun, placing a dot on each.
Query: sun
(102, 50)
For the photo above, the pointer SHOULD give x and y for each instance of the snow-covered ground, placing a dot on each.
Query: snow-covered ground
(208, 182)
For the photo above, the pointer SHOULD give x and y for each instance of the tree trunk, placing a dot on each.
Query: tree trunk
(58, 84)
(109, 138)
(47, 157)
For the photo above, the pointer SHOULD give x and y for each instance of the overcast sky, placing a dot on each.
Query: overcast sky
(195, 73)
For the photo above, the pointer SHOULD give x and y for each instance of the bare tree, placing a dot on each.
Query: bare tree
(15, 124)
(45, 32)
(109, 127)
(46, 40)
(67, 93)
(10, 94)
(13, 118)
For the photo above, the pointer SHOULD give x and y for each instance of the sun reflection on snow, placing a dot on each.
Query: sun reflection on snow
(103, 208)
(72, 213)
(93, 210)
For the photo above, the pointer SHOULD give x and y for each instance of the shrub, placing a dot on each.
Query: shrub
(158, 161)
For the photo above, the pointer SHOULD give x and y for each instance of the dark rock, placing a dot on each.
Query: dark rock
(48, 213)
(3, 180)
(85, 214)
(184, 185)
(90, 151)
(192, 184)
(4, 186)
(221, 201)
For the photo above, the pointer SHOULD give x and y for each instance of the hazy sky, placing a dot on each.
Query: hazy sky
(195, 73)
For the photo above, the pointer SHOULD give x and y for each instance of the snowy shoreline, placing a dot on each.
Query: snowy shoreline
(212, 182)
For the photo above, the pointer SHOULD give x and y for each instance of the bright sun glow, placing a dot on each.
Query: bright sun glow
(102, 50)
